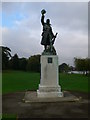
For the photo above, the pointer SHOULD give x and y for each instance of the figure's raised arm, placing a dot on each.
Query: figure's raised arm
(42, 18)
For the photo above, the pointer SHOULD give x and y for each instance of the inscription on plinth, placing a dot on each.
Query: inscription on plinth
(49, 60)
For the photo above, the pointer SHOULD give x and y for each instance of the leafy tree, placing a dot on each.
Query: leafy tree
(87, 65)
(34, 63)
(6, 55)
(82, 65)
(15, 62)
(22, 63)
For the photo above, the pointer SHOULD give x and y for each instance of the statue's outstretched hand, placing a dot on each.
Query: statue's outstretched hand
(43, 12)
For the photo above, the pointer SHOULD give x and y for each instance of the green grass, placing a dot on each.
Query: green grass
(74, 82)
(13, 81)
(9, 117)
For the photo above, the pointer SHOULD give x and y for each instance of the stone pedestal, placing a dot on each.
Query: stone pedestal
(49, 83)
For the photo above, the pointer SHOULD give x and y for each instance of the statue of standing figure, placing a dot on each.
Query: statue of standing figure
(48, 37)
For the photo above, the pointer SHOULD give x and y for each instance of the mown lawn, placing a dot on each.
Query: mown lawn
(9, 117)
(13, 81)
(74, 82)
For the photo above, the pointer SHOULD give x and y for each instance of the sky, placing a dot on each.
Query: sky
(21, 28)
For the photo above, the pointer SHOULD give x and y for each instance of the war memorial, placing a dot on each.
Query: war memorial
(49, 101)
(49, 81)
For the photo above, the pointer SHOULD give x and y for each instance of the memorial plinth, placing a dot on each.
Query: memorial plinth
(49, 82)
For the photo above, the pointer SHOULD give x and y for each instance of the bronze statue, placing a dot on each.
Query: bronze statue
(48, 37)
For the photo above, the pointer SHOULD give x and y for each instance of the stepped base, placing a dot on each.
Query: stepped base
(49, 91)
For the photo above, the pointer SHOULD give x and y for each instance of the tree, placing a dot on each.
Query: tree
(82, 64)
(22, 63)
(87, 65)
(6, 55)
(34, 63)
(15, 62)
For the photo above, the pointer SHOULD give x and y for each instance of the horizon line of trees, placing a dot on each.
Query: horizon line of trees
(15, 63)
(33, 63)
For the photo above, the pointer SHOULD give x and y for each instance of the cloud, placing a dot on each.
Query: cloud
(68, 19)
(21, 42)
(71, 44)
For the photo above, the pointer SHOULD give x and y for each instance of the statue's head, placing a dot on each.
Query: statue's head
(48, 21)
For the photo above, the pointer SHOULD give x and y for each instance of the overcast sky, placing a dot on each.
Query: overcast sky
(21, 28)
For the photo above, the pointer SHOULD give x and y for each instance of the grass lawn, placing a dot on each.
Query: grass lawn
(9, 117)
(13, 81)
(74, 82)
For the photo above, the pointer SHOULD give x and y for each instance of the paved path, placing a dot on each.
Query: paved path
(77, 108)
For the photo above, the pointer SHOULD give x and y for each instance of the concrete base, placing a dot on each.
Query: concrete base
(49, 91)
(49, 94)
(49, 84)
(31, 96)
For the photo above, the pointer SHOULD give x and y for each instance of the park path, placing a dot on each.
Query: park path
(12, 104)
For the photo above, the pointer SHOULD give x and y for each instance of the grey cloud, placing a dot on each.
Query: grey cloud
(11, 7)
(63, 14)
(68, 19)
(72, 16)
(20, 42)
